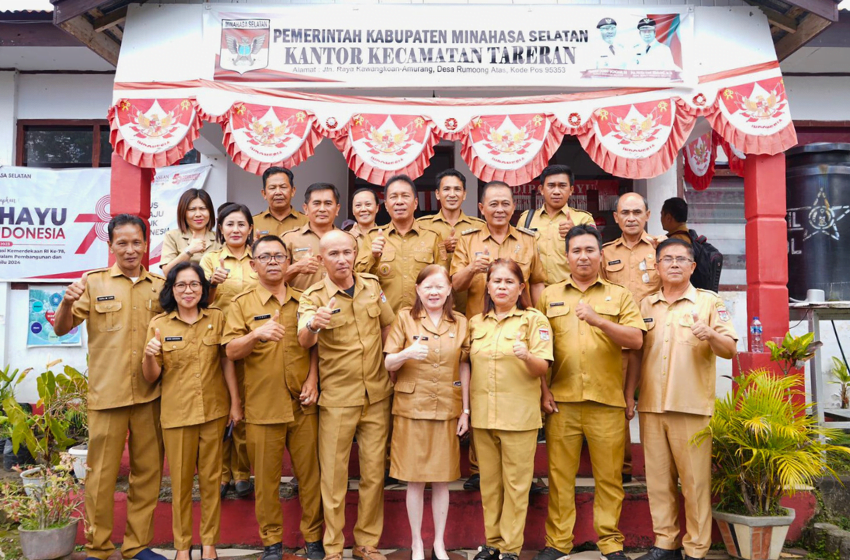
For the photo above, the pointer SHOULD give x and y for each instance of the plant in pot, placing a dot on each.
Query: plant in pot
(48, 517)
(764, 447)
(794, 351)
(46, 433)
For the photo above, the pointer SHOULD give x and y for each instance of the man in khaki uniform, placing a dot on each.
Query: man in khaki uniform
(592, 321)
(398, 252)
(348, 317)
(687, 329)
(117, 304)
(279, 217)
(451, 222)
(554, 220)
(280, 404)
(629, 261)
(321, 204)
(674, 217)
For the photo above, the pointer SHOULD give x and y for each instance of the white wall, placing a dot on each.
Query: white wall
(8, 110)
(819, 98)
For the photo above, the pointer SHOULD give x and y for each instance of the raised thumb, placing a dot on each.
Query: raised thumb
(156, 335)
(452, 234)
(380, 232)
(487, 251)
(518, 337)
(221, 263)
(695, 315)
(276, 317)
(332, 303)
(84, 279)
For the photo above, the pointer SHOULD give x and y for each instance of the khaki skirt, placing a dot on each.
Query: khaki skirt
(425, 450)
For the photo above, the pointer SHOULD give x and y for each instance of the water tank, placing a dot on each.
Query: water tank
(818, 202)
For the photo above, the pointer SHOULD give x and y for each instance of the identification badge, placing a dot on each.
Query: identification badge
(264, 232)
(611, 263)
(456, 383)
(300, 249)
(383, 297)
(642, 266)
(556, 304)
(645, 278)
(648, 320)
(335, 311)
(261, 317)
(544, 333)
(724, 315)
(173, 338)
(420, 338)
(105, 298)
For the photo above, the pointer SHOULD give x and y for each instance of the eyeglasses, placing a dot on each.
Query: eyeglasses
(266, 258)
(667, 261)
(183, 286)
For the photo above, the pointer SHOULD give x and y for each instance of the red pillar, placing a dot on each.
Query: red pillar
(130, 193)
(767, 249)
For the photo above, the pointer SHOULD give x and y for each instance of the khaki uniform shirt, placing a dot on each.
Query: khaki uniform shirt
(266, 224)
(193, 386)
(351, 359)
(402, 260)
(518, 245)
(502, 394)
(588, 364)
(300, 244)
(679, 371)
(429, 389)
(633, 268)
(274, 371)
(681, 232)
(241, 276)
(176, 241)
(552, 245)
(118, 312)
(465, 224)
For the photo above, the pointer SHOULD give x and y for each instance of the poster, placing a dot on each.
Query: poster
(53, 221)
(394, 46)
(42, 309)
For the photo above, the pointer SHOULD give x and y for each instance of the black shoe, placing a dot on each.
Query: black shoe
(616, 555)
(314, 550)
(508, 556)
(273, 552)
(541, 435)
(550, 553)
(225, 489)
(627, 478)
(473, 482)
(244, 488)
(486, 552)
(388, 480)
(434, 555)
(537, 487)
(656, 553)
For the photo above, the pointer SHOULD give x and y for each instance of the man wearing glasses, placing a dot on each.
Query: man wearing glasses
(278, 190)
(686, 330)
(630, 262)
(554, 220)
(280, 410)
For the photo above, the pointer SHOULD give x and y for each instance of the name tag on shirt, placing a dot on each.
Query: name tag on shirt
(173, 338)
(335, 311)
(420, 338)
(618, 261)
(261, 317)
(556, 304)
(300, 249)
(648, 320)
(105, 298)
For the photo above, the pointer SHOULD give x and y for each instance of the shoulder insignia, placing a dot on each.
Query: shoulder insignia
(296, 292)
(609, 243)
(715, 294)
(477, 219)
(368, 276)
(243, 294)
(163, 314)
(468, 231)
(527, 231)
(157, 275)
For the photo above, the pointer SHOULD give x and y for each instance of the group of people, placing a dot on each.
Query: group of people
(278, 331)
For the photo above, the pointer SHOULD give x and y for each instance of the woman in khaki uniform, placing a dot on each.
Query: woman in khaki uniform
(427, 354)
(195, 235)
(230, 273)
(510, 352)
(364, 207)
(184, 348)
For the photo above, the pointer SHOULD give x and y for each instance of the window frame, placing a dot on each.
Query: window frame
(97, 126)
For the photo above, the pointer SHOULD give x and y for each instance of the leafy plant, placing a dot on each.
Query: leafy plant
(62, 398)
(842, 379)
(764, 445)
(8, 381)
(53, 505)
(794, 351)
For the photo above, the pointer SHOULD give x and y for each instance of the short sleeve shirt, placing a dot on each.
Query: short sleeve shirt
(552, 245)
(303, 243)
(193, 387)
(176, 241)
(429, 389)
(266, 224)
(588, 365)
(679, 371)
(632, 267)
(518, 246)
(503, 395)
(274, 371)
(241, 277)
(351, 359)
(117, 312)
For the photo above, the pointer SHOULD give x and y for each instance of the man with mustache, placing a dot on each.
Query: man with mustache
(280, 217)
(321, 204)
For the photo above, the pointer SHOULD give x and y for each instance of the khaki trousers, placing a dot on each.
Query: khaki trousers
(670, 457)
(107, 435)
(234, 452)
(507, 470)
(337, 428)
(187, 448)
(266, 445)
(627, 449)
(603, 428)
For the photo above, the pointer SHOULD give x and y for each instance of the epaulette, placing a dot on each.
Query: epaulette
(92, 271)
(712, 292)
(157, 275)
(424, 219)
(163, 314)
(243, 293)
(369, 276)
(468, 231)
(296, 292)
(476, 219)
(314, 288)
(610, 242)
(527, 231)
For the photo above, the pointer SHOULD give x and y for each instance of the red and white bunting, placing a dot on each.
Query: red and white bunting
(153, 132)
(699, 161)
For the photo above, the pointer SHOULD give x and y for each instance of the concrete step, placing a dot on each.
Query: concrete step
(465, 529)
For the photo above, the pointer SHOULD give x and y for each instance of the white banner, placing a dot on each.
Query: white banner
(396, 46)
(53, 221)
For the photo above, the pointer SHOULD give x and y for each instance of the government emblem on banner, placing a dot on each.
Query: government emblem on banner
(508, 141)
(637, 130)
(154, 125)
(244, 44)
(389, 141)
(269, 134)
(757, 107)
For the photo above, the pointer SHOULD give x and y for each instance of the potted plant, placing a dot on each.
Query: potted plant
(842, 379)
(764, 447)
(48, 518)
(48, 433)
(794, 351)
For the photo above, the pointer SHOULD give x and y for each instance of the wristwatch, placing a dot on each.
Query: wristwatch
(310, 327)
(188, 251)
